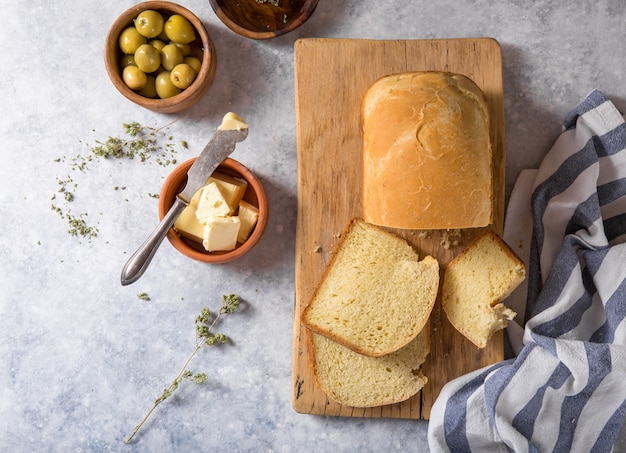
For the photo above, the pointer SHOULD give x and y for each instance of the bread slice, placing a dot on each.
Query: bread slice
(427, 157)
(362, 381)
(476, 282)
(375, 295)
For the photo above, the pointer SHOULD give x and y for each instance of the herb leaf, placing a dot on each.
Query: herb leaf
(143, 142)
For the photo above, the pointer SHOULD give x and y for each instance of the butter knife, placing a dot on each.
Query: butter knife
(231, 131)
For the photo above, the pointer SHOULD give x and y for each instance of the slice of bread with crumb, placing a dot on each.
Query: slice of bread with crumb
(375, 295)
(476, 282)
(361, 381)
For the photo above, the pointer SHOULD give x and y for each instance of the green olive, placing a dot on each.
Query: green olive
(182, 75)
(194, 62)
(162, 36)
(171, 56)
(179, 29)
(185, 49)
(147, 58)
(157, 44)
(164, 86)
(134, 78)
(130, 40)
(127, 60)
(149, 23)
(149, 91)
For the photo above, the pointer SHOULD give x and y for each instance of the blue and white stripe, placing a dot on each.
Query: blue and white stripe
(566, 389)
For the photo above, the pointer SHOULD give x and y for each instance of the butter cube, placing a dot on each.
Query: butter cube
(248, 216)
(232, 121)
(220, 233)
(232, 188)
(211, 203)
(187, 224)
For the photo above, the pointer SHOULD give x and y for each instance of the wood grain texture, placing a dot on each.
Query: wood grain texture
(331, 77)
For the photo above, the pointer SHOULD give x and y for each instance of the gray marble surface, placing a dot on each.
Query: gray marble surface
(83, 357)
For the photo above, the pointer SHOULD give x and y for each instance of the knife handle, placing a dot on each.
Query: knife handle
(138, 263)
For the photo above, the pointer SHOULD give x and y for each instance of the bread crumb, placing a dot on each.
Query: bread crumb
(425, 234)
(450, 238)
(317, 249)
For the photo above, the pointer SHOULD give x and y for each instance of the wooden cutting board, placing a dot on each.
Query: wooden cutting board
(331, 77)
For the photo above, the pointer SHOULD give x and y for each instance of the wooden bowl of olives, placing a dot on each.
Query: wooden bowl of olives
(159, 55)
(263, 19)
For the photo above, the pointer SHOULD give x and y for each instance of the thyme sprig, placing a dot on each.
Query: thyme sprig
(205, 322)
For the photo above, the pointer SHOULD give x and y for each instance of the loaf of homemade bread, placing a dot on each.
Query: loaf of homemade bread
(361, 381)
(476, 282)
(375, 295)
(427, 159)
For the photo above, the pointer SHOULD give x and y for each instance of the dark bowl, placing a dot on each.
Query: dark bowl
(255, 20)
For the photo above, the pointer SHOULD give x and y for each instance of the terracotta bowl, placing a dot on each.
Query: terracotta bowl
(263, 20)
(255, 195)
(203, 48)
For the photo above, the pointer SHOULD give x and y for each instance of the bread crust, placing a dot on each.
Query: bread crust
(427, 157)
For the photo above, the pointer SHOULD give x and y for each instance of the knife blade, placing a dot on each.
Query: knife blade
(231, 131)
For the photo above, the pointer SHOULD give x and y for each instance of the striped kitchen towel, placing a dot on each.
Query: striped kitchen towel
(566, 388)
